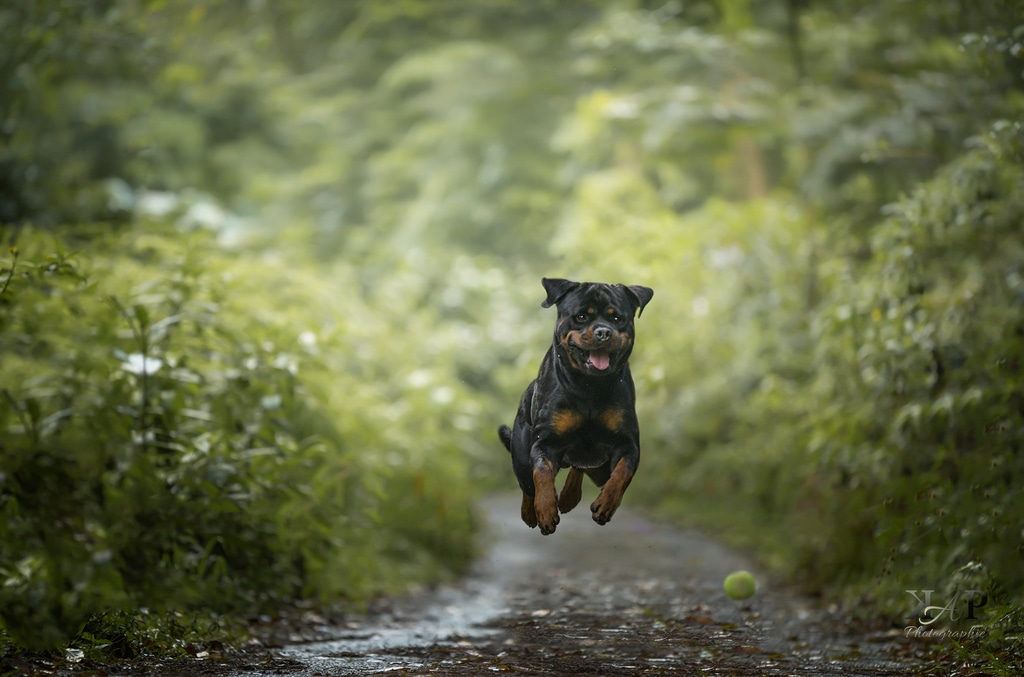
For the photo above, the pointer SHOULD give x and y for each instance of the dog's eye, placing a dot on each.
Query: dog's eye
(582, 317)
(616, 318)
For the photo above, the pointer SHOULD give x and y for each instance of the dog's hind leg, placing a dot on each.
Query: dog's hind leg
(572, 491)
(528, 512)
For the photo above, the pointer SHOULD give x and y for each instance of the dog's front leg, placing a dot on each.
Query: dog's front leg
(545, 499)
(611, 493)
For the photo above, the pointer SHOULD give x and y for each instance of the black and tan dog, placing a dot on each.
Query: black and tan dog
(579, 413)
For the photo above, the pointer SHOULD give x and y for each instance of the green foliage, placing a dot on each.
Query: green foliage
(99, 94)
(166, 447)
(936, 320)
(999, 650)
(120, 635)
(825, 196)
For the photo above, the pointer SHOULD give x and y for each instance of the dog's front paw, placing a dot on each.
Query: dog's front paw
(603, 510)
(546, 508)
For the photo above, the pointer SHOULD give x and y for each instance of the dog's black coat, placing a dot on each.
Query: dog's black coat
(580, 412)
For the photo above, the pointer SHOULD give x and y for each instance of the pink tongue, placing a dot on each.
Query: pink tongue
(599, 360)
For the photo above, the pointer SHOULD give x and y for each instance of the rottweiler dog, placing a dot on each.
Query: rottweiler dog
(580, 411)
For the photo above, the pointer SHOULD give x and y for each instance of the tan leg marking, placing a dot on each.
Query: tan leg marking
(545, 501)
(611, 493)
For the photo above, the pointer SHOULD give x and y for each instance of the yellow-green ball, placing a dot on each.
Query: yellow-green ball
(740, 585)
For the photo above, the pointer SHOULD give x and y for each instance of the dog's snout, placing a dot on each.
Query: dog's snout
(602, 333)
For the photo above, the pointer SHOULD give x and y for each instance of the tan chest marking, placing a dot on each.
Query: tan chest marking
(566, 420)
(612, 419)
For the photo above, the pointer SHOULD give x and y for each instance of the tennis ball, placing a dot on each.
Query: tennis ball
(740, 585)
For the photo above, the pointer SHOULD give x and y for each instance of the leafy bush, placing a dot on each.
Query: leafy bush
(918, 355)
(166, 448)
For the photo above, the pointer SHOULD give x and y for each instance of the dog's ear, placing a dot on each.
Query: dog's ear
(641, 296)
(556, 288)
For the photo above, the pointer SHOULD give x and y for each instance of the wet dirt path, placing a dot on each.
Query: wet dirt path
(629, 598)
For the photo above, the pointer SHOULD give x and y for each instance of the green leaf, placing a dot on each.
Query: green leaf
(142, 315)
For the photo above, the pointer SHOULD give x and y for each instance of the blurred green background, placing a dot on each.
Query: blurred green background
(270, 280)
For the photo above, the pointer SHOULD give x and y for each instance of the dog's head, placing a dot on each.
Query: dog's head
(594, 332)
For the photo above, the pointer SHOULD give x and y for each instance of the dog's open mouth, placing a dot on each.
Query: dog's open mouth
(590, 360)
(599, 359)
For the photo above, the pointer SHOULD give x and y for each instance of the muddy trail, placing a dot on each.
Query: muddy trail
(629, 598)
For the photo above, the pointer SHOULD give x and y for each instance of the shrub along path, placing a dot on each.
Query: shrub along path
(630, 598)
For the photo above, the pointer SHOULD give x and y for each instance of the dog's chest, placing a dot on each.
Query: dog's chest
(587, 437)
